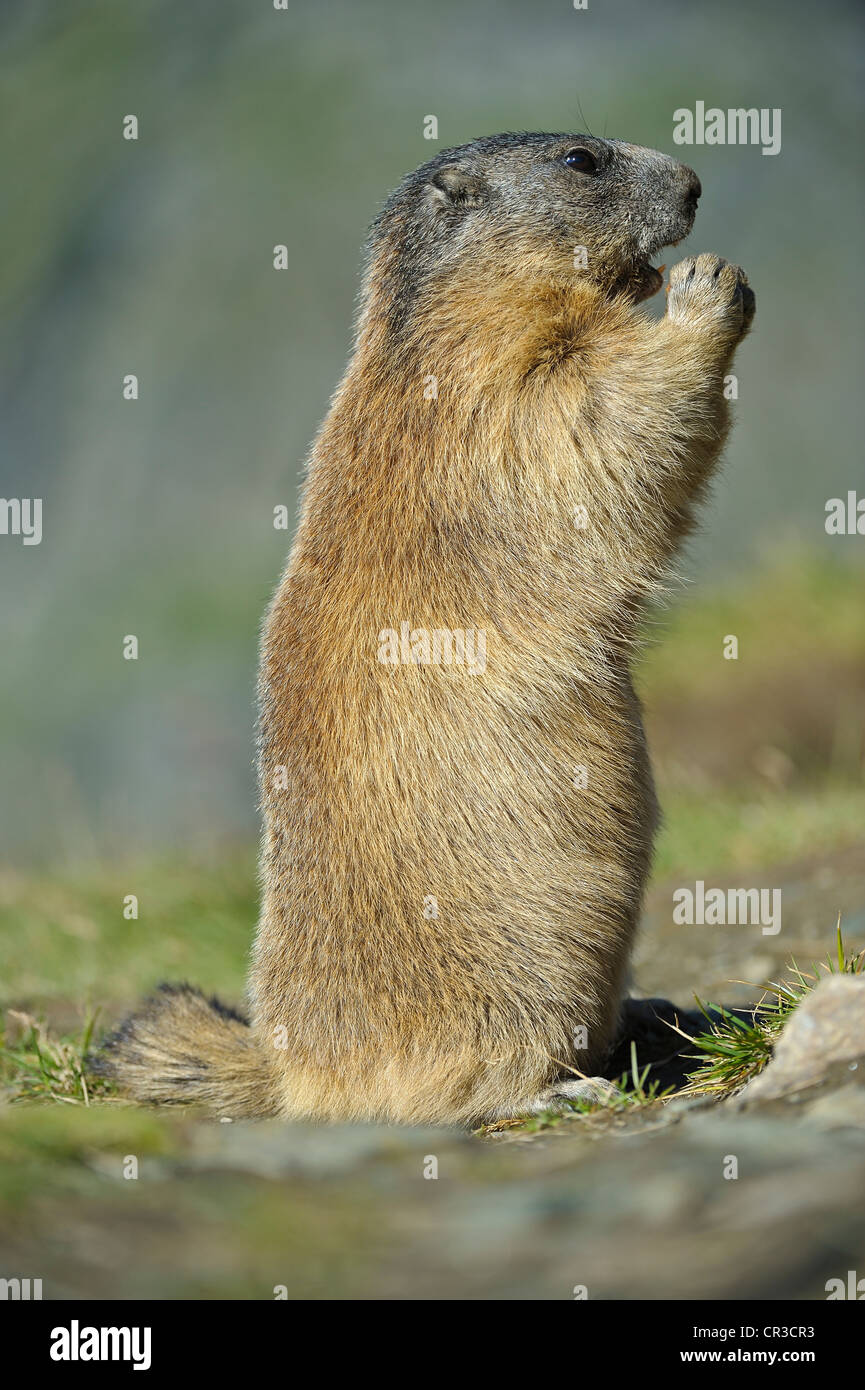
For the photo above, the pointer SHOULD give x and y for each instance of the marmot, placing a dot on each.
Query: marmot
(457, 798)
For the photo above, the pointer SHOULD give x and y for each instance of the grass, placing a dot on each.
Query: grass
(38, 1066)
(741, 829)
(760, 760)
(63, 936)
(631, 1091)
(734, 1050)
(798, 607)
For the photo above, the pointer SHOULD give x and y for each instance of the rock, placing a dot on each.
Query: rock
(842, 1107)
(827, 1028)
(273, 1149)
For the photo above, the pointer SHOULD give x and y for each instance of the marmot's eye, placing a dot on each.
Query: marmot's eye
(581, 160)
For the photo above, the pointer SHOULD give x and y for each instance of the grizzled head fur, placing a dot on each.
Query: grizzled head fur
(525, 204)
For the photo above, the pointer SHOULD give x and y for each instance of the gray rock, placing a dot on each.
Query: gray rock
(827, 1028)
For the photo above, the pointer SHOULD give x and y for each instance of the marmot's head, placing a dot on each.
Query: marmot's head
(529, 204)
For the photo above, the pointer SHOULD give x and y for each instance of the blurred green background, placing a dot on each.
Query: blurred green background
(260, 127)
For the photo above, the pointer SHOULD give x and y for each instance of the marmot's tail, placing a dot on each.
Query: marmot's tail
(182, 1047)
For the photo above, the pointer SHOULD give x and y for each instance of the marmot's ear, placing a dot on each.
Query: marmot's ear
(455, 187)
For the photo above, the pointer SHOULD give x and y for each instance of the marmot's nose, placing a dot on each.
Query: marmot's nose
(693, 187)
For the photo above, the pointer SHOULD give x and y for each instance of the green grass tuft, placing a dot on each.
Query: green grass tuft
(37, 1066)
(734, 1050)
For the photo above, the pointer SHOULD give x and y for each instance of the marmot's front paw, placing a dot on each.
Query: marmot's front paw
(708, 292)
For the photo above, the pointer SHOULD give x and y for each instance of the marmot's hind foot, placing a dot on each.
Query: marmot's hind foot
(563, 1096)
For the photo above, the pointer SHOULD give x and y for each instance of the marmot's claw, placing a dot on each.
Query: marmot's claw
(564, 1095)
(640, 284)
(708, 291)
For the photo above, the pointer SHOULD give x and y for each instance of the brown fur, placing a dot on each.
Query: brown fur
(384, 786)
